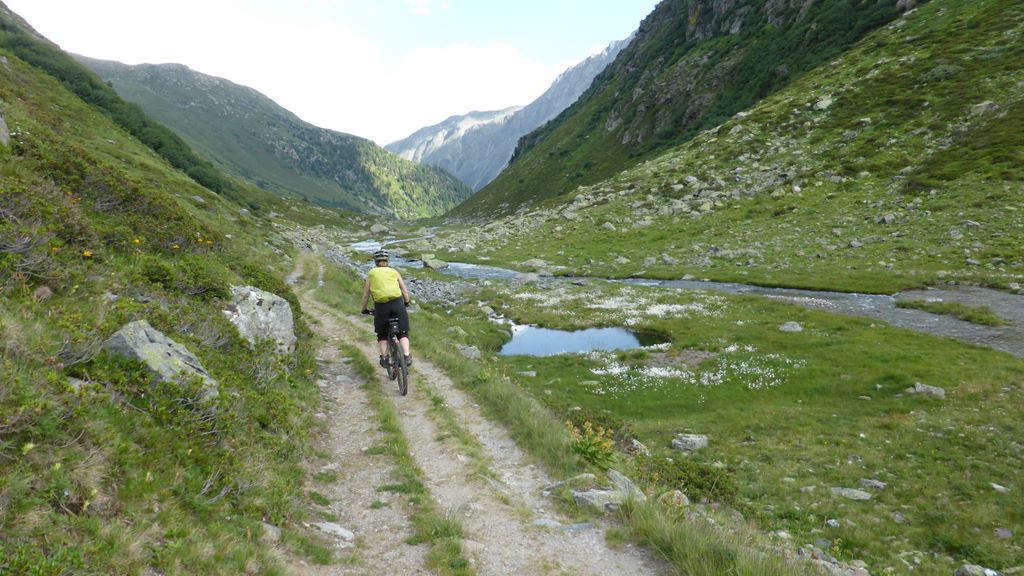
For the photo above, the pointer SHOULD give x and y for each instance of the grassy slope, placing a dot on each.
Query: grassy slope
(684, 73)
(901, 138)
(251, 137)
(118, 475)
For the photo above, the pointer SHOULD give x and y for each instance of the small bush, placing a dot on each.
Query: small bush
(697, 480)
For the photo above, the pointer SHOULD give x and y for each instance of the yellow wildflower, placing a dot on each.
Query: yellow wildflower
(86, 253)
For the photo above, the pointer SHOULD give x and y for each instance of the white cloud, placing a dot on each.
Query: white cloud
(323, 71)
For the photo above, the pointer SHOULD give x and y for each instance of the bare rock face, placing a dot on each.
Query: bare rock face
(167, 360)
(260, 315)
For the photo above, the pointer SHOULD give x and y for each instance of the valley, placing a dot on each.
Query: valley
(791, 285)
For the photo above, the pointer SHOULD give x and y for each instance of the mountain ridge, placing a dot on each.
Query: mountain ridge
(252, 137)
(647, 100)
(477, 153)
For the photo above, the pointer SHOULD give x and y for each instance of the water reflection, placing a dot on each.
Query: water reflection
(534, 341)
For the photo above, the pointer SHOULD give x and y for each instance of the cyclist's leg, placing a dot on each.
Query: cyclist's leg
(380, 326)
(403, 327)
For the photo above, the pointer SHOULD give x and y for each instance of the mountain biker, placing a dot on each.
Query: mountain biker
(390, 299)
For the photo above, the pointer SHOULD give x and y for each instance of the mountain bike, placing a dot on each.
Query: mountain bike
(397, 370)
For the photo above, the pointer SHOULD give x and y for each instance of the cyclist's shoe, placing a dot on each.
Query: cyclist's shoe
(383, 362)
(408, 360)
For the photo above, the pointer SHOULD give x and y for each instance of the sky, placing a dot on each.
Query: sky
(380, 69)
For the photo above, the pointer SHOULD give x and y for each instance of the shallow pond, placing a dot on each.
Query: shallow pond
(534, 341)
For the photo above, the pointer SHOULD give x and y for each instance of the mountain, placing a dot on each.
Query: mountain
(105, 469)
(897, 164)
(477, 146)
(693, 64)
(248, 135)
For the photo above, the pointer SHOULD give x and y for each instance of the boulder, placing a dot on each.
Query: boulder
(626, 486)
(600, 500)
(791, 327)
(926, 390)
(260, 315)
(435, 264)
(167, 360)
(378, 229)
(689, 442)
(469, 352)
(674, 499)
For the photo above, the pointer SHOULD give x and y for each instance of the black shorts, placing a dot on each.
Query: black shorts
(391, 309)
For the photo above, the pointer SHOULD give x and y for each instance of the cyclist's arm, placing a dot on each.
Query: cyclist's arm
(366, 293)
(401, 285)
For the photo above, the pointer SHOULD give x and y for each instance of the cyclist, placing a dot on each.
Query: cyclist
(390, 299)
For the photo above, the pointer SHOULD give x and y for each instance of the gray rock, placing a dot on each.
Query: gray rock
(626, 486)
(791, 327)
(674, 499)
(975, 570)
(873, 484)
(434, 264)
(528, 373)
(926, 390)
(344, 536)
(579, 527)
(986, 107)
(690, 442)
(469, 352)
(5, 133)
(378, 229)
(270, 534)
(608, 226)
(852, 494)
(833, 523)
(167, 360)
(636, 447)
(600, 500)
(260, 315)
(1000, 488)
(534, 263)
(1004, 533)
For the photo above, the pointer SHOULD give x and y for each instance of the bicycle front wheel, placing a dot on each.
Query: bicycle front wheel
(402, 376)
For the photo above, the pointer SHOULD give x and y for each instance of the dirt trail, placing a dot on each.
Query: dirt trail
(380, 531)
(498, 515)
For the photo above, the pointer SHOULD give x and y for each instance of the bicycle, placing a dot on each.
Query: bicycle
(397, 370)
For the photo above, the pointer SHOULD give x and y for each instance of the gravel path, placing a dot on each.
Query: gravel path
(380, 530)
(498, 515)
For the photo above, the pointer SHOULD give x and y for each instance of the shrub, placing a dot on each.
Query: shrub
(697, 480)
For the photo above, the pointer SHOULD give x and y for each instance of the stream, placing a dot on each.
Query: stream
(1010, 307)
